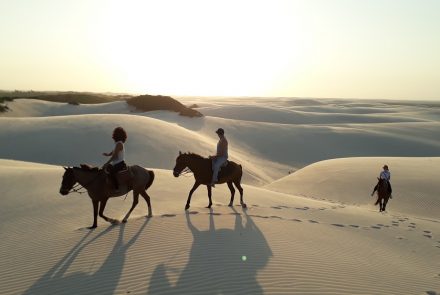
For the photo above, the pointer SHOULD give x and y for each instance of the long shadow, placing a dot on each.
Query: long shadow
(221, 261)
(106, 277)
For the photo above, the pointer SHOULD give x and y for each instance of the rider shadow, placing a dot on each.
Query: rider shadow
(221, 261)
(106, 277)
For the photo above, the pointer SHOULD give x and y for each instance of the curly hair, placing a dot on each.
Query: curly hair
(119, 134)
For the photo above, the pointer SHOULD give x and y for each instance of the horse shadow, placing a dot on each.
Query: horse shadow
(106, 277)
(221, 261)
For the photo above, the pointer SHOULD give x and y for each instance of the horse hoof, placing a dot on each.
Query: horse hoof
(92, 227)
(124, 220)
(244, 205)
(186, 207)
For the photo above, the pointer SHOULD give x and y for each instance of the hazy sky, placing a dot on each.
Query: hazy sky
(298, 48)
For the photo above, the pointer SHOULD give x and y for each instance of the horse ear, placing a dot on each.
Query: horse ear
(65, 168)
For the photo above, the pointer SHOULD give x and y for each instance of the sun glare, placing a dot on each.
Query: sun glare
(233, 48)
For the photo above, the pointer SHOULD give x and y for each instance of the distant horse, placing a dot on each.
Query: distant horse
(100, 189)
(383, 194)
(202, 169)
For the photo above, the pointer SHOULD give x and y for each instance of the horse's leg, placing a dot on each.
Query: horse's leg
(232, 189)
(385, 201)
(95, 214)
(147, 199)
(103, 203)
(135, 202)
(209, 195)
(240, 189)
(195, 186)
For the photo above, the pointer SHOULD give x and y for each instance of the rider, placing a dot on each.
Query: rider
(116, 162)
(221, 157)
(385, 174)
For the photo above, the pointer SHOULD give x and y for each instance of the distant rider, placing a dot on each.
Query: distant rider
(386, 175)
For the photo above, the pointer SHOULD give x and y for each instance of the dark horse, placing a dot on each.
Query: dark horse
(383, 194)
(202, 170)
(100, 189)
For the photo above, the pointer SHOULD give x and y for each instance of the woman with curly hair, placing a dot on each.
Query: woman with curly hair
(116, 162)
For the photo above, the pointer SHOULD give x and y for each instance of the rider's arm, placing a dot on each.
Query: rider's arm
(117, 149)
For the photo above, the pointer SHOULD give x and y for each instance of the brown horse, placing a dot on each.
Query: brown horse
(202, 169)
(383, 194)
(96, 182)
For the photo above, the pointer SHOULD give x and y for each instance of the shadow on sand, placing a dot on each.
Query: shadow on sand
(223, 261)
(106, 278)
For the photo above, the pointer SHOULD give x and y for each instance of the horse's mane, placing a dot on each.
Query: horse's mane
(87, 167)
(194, 155)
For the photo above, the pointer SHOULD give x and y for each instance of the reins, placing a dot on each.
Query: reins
(76, 188)
(186, 172)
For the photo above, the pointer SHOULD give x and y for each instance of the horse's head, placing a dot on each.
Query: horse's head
(181, 163)
(68, 181)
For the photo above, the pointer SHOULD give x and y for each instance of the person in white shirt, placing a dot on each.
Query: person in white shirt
(221, 156)
(116, 162)
(385, 174)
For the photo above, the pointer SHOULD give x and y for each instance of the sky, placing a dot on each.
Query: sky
(386, 49)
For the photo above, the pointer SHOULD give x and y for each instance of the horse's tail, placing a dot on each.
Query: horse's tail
(241, 171)
(150, 181)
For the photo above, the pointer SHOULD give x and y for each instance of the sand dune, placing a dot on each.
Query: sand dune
(281, 244)
(314, 231)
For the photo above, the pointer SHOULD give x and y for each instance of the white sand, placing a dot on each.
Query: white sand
(312, 232)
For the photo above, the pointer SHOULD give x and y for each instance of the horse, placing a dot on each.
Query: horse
(99, 189)
(202, 169)
(383, 194)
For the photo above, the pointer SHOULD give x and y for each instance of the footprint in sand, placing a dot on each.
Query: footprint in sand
(278, 207)
(411, 226)
(412, 223)
(432, 293)
(168, 215)
(376, 227)
(276, 217)
(322, 208)
(282, 206)
(401, 238)
(354, 225)
(428, 236)
(303, 208)
(427, 231)
(193, 212)
(337, 224)
(255, 205)
(297, 220)
(214, 213)
(313, 221)
(394, 224)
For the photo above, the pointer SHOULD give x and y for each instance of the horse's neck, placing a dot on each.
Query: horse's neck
(85, 178)
(198, 165)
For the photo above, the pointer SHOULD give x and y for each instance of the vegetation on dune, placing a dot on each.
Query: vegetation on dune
(3, 107)
(142, 103)
(158, 102)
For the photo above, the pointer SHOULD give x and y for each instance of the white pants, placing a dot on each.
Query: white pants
(216, 164)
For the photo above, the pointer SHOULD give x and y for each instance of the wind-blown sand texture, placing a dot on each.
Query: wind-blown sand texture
(314, 231)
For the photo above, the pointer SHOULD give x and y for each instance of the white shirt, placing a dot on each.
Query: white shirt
(385, 175)
(120, 156)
